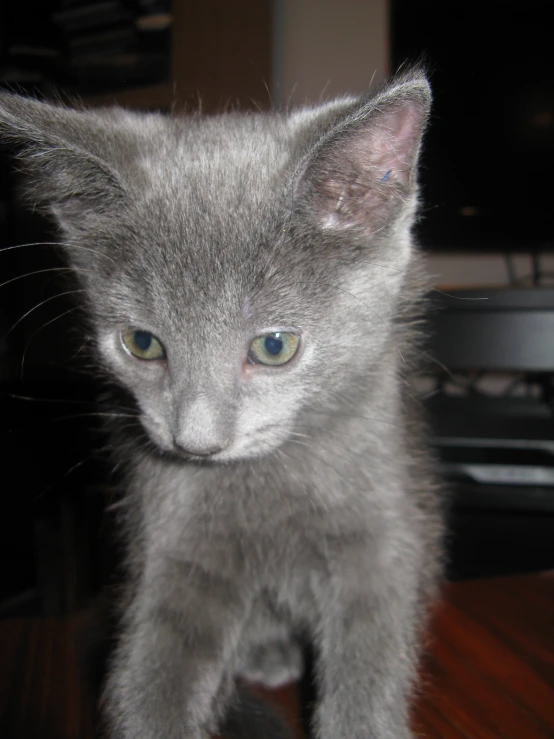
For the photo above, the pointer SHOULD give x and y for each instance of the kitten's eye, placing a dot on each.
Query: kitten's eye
(274, 349)
(142, 344)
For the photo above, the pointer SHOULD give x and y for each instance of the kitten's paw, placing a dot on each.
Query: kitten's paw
(273, 664)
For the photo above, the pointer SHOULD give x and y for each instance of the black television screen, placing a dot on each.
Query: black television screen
(488, 162)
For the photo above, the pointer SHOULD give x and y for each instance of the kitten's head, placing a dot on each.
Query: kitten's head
(238, 269)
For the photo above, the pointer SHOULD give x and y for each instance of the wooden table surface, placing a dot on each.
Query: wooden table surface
(489, 673)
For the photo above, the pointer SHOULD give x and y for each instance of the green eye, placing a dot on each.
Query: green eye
(142, 344)
(274, 349)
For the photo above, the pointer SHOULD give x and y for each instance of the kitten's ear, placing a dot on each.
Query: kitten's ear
(61, 152)
(365, 164)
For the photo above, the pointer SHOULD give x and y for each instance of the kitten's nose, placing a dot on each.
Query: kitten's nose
(201, 430)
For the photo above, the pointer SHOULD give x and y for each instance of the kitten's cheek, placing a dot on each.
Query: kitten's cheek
(156, 432)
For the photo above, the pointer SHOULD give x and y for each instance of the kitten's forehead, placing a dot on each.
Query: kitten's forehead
(226, 161)
(210, 209)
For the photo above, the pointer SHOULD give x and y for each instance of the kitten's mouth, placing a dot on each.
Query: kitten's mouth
(188, 455)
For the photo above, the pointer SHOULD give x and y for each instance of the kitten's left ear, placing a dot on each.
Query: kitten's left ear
(365, 164)
(66, 155)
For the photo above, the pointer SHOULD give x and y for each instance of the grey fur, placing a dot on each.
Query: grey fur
(320, 517)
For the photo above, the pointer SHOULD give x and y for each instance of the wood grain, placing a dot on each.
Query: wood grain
(488, 673)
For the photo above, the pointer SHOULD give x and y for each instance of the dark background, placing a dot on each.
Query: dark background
(488, 160)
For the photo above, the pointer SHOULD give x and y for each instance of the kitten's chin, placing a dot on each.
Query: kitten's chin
(238, 454)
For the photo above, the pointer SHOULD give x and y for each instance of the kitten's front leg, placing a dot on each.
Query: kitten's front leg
(181, 632)
(368, 650)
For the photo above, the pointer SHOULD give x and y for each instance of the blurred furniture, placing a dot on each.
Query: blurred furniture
(498, 446)
(160, 54)
(492, 422)
(489, 672)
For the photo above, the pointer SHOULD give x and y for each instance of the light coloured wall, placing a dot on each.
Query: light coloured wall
(487, 270)
(325, 48)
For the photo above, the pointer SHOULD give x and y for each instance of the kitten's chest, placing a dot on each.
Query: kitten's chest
(256, 523)
(267, 544)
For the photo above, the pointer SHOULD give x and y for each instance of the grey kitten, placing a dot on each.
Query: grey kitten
(251, 284)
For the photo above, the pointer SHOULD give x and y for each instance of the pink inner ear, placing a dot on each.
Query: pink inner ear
(369, 168)
(387, 143)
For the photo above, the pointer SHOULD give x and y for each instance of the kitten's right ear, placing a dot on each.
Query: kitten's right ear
(361, 170)
(61, 152)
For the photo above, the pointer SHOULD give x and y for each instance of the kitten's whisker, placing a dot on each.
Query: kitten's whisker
(40, 272)
(439, 364)
(300, 442)
(52, 320)
(66, 474)
(124, 409)
(456, 297)
(102, 414)
(51, 400)
(36, 307)
(79, 350)
(63, 244)
(297, 433)
(112, 507)
(32, 243)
